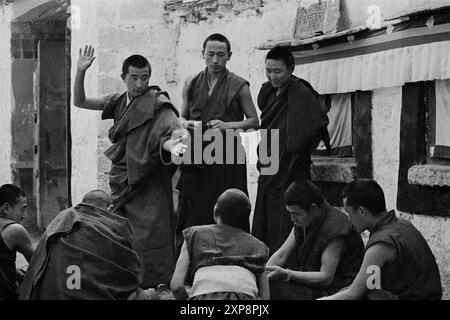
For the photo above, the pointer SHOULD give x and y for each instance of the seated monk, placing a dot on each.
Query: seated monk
(327, 249)
(13, 238)
(398, 263)
(224, 260)
(85, 253)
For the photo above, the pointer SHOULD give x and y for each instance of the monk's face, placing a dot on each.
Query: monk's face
(278, 73)
(216, 56)
(301, 217)
(136, 80)
(355, 216)
(16, 212)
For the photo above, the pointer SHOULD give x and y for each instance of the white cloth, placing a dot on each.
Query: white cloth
(340, 126)
(224, 279)
(443, 113)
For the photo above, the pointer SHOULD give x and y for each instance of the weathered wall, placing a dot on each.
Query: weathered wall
(386, 110)
(84, 123)
(6, 103)
(386, 113)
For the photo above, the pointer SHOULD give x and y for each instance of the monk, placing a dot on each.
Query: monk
(85, 253)
(291, 106)
(398, 263)
(141, 185)
(218, 100)
(328, 251)
(223, 260)
(13, 238)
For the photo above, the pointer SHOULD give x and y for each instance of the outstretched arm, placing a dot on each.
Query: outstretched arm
(280, 256)
(251, 121)
(84, 62)
(377, 255)
(329, 261)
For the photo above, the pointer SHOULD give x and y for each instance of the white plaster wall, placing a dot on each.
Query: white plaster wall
(386, 112)
(84, 123)
(5, 95)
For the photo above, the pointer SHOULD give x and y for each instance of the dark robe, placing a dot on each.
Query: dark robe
(414, 274)
(212, 245)
(297, 114)
(311, 243)
(98, 243)
(141, 184)
(200, 185)
(8, 275)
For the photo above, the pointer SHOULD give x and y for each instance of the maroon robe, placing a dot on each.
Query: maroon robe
(201, 185)
(141, 184)
(96, 242)
(297, 114)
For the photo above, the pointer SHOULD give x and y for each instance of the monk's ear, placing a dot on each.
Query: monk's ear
(123, 76)
(229, 55)
(292, 68)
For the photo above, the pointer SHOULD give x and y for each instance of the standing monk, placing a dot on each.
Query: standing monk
(216, 99)
(144, 119)
(290, 105)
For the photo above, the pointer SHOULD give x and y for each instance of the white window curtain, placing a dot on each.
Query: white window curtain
(442, 116)
(340, 126)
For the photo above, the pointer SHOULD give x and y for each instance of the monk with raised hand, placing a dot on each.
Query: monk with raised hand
(141, 172)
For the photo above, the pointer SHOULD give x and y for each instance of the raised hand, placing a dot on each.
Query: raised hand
(86, 58)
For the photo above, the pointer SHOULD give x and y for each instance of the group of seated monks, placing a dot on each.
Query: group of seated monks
(86, 252)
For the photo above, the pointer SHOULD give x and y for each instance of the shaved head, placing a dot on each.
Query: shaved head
(233, 207)
(98, 198)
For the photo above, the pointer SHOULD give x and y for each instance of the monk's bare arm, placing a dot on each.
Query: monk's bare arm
(184, 114)
(329, 261)
(377, 255)
(80, 100)
(280, 257)
(18, 239)
(179, 276)
(251, 121)
(263, 286)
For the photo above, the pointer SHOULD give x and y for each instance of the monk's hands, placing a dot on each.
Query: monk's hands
(276, 272)
(218, 125)
(192, 124)
(86, 58)
(176, 146)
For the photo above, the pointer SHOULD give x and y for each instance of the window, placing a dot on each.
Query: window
(424, 183)
(350, 131)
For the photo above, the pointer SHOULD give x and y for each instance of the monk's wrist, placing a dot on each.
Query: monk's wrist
(288, 277)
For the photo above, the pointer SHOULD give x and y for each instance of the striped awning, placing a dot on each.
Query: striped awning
(388, 68)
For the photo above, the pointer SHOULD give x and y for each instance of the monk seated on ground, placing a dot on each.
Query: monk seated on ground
(398, 263)
(224, 261)
(13, 238)
(85, 253)
(326, 248)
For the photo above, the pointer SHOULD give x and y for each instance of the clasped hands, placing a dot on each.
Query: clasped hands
(213, 124)
(276, 272)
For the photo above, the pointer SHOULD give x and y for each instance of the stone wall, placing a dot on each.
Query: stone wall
(6, 103)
